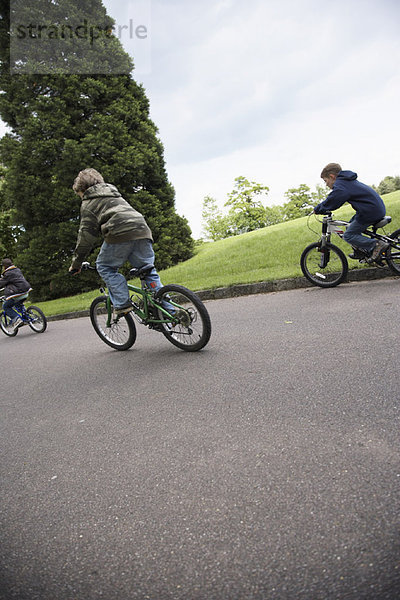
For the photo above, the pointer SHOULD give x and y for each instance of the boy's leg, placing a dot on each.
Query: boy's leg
(110, 258)
(353, 236)
(8, 309)
(142, 255)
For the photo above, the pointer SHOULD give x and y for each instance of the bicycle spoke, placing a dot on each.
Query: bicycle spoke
(324, 273)
(120, 333)
(392, 254)
(189, 327)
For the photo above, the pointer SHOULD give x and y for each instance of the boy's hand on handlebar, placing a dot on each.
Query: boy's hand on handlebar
(322, 211)
(73, 271)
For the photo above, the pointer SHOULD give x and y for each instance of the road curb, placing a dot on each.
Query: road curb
(279, 285)
(261, 287)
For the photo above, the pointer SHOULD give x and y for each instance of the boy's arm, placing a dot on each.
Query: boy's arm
(334, 200)
(87, 237)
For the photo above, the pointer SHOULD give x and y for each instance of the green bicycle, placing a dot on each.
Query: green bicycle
(173, 310)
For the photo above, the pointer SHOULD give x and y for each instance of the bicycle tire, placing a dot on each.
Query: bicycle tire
(332, 274)
(393, 257)
(4, 326)
(121, 335)
(193, 331)
(39, 321)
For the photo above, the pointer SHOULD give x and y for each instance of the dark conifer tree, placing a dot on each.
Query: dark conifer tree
(72, 103)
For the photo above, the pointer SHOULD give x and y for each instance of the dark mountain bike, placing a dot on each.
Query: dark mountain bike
(173, 310)
(326, 265)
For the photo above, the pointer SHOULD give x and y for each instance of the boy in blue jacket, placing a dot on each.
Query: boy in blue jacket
(366, 202)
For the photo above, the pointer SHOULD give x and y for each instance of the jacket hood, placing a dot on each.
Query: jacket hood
(348, 175)
(101, 190)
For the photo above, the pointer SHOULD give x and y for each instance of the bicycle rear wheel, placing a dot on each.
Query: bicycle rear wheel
(326, 269)
(5, 326)
(193, 330)
(392, 255)
(121, 334)
(36, 319)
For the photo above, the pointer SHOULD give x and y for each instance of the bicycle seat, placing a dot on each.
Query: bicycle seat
(382, 223)
(142, 272)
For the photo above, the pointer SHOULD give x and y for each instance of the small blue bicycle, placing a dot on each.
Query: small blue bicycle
(31, 316)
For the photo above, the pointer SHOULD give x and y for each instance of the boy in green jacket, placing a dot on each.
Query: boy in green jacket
(126, 235)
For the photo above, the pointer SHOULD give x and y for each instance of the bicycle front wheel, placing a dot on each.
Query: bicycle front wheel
(393, 254)
(325, 269)
(36, 319)
(120, 334)
(191, 329)
(5, 326)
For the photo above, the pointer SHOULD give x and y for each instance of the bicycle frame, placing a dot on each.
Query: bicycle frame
(143, 302)
(19, 309)
(330, 226)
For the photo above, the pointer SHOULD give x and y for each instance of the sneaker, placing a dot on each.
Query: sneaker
(357, 254)
(123, 310)
(16, 323)
(379, 249)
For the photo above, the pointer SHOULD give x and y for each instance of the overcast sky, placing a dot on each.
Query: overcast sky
(268, 89)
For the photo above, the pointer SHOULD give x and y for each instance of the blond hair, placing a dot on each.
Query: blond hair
(86, 179)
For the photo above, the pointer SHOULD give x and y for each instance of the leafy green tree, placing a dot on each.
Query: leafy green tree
(247, 212)
(389, 184)
(301, 201)
(64, 119)
(273, 215)
(8, 231)
(216, 226)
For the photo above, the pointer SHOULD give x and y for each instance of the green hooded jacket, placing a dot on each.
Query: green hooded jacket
(104, 211)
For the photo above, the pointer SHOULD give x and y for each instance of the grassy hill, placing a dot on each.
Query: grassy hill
(263, 255)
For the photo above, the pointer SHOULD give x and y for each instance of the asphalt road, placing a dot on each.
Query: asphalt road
(264, 467)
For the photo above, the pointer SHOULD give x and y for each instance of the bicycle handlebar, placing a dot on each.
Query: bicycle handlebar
(324, 212)
(85, 266)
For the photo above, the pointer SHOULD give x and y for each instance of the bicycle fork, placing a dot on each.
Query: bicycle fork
(109, 308)
(324, 245)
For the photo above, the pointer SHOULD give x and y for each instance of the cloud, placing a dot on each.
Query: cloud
(272, 91)
(362, 136)
(224, 77)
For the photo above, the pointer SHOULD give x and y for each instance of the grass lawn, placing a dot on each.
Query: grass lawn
(266, 254)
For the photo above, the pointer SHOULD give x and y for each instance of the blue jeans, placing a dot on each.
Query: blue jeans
(8, 308)
(353, 236)
(112, 256)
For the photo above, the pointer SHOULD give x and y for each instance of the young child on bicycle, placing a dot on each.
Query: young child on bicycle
(366, 202)
(125, 232)
(14, 284)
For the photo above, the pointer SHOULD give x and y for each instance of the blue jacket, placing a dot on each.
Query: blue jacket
(366, 202)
